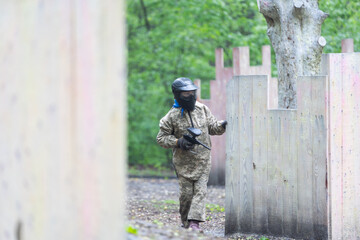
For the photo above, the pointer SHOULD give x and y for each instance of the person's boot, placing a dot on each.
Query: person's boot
(185, 224)
(194, 225)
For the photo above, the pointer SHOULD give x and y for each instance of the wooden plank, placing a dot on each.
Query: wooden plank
(273, 93)
(44, 178)
(232, 188)
(319, 143)
(292, 175)
(288, 171)
(275, 203)
(332, 66)
(246, 151)
(356, 134)
(259, 161)
(241, 61)
(98, 122)
(266, 60)
(305, 155)
(347, 45)
(350, 150)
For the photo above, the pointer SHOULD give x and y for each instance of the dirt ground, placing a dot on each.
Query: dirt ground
(152, 207)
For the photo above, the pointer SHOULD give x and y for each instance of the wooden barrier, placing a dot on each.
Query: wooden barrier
(63, 119)
(296, 172)
(276, 161)
(344, 141)
(217, 101)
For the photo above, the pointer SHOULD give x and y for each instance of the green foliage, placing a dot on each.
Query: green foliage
(170, 201)
(131, 230)
(169, 39)
(161, 172)
(160, 224)
(342, 23)
(215, 208)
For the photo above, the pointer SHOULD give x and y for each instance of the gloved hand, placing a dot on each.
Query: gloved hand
(184, 144)
(223, 124)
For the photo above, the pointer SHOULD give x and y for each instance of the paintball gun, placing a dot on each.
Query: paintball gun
(194, 132)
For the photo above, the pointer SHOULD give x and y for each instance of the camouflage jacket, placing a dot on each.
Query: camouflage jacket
(190, 164)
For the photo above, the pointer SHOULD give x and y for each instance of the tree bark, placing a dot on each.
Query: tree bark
(294, 28)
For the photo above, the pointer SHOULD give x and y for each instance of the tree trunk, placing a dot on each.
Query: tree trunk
(294, 28)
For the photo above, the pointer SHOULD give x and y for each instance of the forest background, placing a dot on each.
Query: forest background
(177, 38)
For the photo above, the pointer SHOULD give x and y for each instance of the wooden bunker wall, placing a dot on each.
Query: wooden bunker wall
(276, 160)
(63, 120)
(217, 101)
(343, 70)
(296, 172)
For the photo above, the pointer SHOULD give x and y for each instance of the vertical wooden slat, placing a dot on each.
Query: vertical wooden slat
(259, 161)
(347, 45)
(331, 63)
(350, 150)
(232, 204)
(288, 171)
(319, 143)
(275, 202)
(246, 152)
(272, 93)
(356, 135)
(356, 119)
(292, 177)
(98, 115)
(305, 156)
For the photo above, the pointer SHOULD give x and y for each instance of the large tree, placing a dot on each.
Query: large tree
(294, 29)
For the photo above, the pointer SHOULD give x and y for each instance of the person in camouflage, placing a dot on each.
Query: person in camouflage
(192, 162)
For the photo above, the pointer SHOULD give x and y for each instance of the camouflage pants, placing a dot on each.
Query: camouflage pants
(192, 199)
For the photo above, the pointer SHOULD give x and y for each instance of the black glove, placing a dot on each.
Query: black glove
(223, 124)
(184, 144)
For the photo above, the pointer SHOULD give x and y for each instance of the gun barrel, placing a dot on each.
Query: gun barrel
(195, 141)
(204, 145)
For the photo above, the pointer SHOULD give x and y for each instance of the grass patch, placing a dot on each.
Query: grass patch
(166, 204)
(131, 230)
(171, 202)
(215, 208)
(140, 171)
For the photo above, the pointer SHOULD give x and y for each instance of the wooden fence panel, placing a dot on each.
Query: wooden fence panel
(289, 199)
(312, 158)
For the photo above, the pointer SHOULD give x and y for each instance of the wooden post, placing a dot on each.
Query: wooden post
(347, 45)
(344, 135)
(63, 113)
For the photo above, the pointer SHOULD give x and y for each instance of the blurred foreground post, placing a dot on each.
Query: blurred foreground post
(63, 119)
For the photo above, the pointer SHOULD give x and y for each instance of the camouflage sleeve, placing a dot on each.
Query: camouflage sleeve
(165, 137)
(214, 125)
